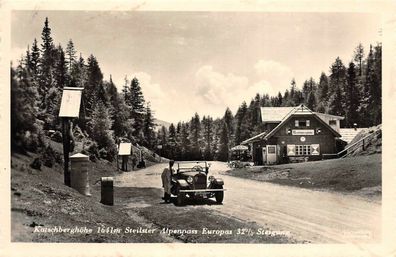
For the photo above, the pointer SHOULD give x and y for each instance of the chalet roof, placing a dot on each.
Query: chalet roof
(325, 116)
(255, 138)
(300, 110)
(274, 114)
(277, 114)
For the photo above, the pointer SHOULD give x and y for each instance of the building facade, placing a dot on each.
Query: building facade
(294, 134)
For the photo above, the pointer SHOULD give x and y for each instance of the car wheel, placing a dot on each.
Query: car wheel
(181, 197)
(219, 195)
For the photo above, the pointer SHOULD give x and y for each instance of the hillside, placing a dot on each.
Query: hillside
(372, 144)
(39, 198)
(359, 175)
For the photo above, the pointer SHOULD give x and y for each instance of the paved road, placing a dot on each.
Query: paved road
(319, 217)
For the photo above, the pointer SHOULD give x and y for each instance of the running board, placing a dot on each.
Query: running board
(201, 190)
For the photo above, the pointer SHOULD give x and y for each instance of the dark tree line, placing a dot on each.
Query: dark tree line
(106, 115)
(352, 91)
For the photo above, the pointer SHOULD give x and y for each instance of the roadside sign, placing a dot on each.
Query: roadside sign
(125, 149)
(70, 104)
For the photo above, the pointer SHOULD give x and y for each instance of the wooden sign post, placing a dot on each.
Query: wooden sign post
(69, 109)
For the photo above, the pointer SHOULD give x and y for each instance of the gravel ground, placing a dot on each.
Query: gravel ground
(309, 215)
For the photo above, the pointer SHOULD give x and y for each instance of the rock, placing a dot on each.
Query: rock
(36, 164)
(34, 224)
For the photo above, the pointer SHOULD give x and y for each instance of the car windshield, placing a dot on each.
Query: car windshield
(189, 166)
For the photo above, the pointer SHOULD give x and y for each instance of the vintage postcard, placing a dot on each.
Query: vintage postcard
(226, 128)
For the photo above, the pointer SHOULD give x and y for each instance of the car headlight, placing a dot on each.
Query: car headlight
(190, 179)
(211, 178)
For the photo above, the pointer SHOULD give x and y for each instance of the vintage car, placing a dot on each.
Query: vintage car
(191, 181)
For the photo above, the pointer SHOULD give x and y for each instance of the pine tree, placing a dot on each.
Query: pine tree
(71, 55)
(28, 60)
(125, 89)
(335, 106)
(358, 58)
(23, 108)
(223, 144)
(228, 118)
(148, 127)
(377, 86)
(337, 76)
(101, 133)
(351, 97)
(195, 135)
(337, 87)
(135, 101)
(46, 64)
(172, 144)
(311, 102)
(185, 142)
(162, 139)
(241, 117)
(78, 73)
(35, 58)
(279, 99)
(371, 100)
(207, 131)
(60, 71)
(323, 88)
(94, 79)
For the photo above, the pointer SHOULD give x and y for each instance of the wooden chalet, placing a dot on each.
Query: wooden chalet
(293, 134)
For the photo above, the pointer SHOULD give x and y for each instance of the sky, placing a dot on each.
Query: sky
(203, 62)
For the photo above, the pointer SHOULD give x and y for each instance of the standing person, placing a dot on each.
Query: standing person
(133, 162)
(166, 177)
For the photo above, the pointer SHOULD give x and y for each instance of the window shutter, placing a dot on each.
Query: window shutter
(315, 149)
(296, 123)
(291, 150)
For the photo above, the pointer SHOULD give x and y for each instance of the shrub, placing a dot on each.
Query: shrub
(36, 164)
(57, 136)
(49, 157)
(78, 134)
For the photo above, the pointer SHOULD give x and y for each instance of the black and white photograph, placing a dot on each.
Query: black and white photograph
(196, 127)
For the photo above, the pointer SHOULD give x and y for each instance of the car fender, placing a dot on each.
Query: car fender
(182, 182)
(218, 181)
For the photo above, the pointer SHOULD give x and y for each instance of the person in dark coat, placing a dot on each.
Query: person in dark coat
(166, 177)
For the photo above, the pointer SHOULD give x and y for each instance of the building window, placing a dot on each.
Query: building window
(332, 122)
(302, 123)
(271, 149)
(303, 149)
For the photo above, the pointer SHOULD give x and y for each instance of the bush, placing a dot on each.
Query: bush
(78, 134)
(103, 153)
(57, 136)
(36, 164)
(91, 149)
(49, 157)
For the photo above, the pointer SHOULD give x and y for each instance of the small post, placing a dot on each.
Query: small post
(66, 149)
(107, 191)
